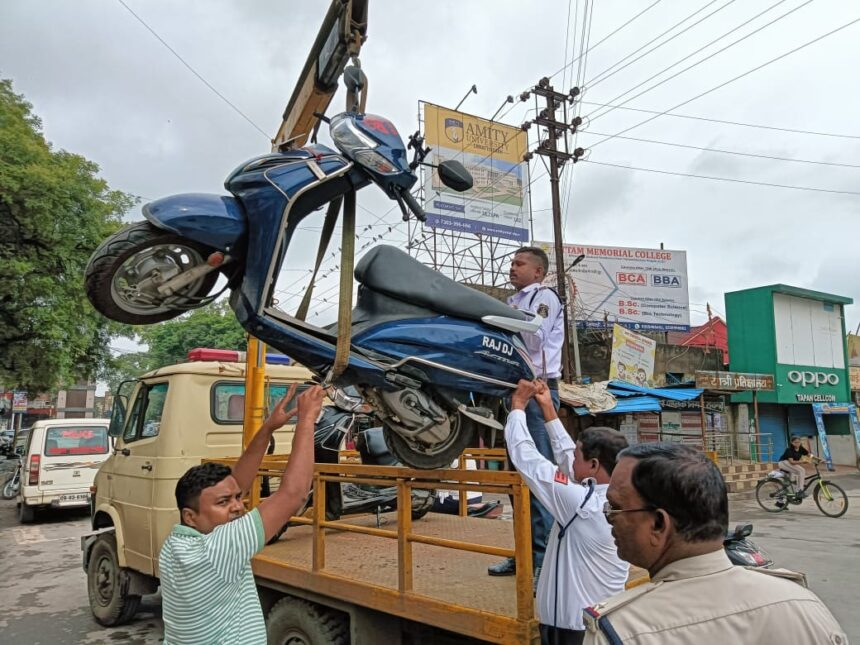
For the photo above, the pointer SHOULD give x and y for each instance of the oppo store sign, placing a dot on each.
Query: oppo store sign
(807, 378)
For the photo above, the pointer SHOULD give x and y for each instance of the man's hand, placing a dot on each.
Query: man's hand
(521, 396)
(544, 400)
(309, 404)
(279, 416)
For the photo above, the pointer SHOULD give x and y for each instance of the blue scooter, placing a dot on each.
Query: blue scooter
(433, 357)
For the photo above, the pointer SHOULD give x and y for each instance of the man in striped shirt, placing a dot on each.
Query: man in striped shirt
(207, 586)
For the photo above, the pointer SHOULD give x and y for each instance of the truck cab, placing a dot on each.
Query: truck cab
(163, 423)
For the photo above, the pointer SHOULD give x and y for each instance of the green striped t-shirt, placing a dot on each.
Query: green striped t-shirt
(207, 587)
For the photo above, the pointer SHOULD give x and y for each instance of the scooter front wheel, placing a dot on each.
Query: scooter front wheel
(124, 273)
(427, 457)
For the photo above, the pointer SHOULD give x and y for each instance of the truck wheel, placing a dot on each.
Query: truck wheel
(107, 584)
(26, 513)
(298, 622)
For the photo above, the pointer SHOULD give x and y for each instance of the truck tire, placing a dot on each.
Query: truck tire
(26, 513)
(299, 622)
(107, 584)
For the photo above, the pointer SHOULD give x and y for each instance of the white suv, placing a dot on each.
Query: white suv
(61, 459)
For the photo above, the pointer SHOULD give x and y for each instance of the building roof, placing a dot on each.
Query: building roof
(800, 293)
(713, 333)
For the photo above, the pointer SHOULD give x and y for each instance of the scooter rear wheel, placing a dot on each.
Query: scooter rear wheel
(119, 276)
(464, 435)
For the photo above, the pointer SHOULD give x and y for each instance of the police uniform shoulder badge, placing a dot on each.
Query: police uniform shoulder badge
(543, 310)
(560, 477)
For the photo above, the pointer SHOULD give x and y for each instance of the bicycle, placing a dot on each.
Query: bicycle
(776, 492)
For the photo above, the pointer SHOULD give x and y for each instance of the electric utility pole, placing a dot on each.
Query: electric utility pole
(548, 147)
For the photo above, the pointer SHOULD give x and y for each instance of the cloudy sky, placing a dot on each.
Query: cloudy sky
(107, 88)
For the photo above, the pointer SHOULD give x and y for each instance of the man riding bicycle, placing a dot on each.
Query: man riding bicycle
(791, 461)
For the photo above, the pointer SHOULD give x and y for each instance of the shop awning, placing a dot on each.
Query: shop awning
(633, 398)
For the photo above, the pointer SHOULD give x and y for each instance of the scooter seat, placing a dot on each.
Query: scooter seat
(390, 271)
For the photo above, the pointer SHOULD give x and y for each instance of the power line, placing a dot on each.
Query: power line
(728, 179)
(194, 71)
(729, 152)
(602, 76)
(706, 58)
(607, 37)
(732, 80)
(724, 122)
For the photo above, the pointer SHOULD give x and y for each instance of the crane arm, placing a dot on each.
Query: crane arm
(343, 31)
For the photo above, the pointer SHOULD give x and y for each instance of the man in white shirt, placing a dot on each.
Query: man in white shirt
(528, 270)
(581, 562)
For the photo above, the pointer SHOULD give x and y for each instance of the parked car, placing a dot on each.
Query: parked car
(61, 459)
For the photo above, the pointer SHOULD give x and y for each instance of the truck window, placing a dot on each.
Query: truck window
(145, 419)
(228, 400)
(76, 440)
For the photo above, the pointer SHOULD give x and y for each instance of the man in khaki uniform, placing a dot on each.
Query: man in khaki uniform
(669, 511)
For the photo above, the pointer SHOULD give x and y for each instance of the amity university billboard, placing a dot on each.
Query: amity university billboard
(493, 153)
(641, 289)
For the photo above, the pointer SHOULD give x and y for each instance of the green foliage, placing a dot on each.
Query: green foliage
(124, 367)
(54, 211)
(214, 326)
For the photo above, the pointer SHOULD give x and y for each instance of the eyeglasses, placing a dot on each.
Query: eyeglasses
(610, 512)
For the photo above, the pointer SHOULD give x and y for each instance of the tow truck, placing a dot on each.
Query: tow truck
(361, 579)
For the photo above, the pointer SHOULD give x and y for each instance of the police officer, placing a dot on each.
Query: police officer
(669, 512)
(528, 270)
(582, 564)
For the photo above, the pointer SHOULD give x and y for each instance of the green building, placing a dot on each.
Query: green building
(797, 335)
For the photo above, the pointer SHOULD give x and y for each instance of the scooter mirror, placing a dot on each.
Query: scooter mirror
(455, 176)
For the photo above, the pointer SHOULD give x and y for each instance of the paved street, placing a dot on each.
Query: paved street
(45, 599)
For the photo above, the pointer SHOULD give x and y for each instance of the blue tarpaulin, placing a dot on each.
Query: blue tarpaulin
(633, 398)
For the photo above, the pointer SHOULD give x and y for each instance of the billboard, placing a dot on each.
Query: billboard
(641, 289)
(19, 401)
(495, 206)
(632, 357)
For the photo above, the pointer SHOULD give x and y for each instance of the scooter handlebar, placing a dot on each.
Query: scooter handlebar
(414, 206)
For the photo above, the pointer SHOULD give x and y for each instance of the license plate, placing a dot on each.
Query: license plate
(75, 498)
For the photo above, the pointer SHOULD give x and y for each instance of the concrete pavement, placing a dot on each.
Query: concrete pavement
(44, 595)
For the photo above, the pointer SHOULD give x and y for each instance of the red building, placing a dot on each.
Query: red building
(713, 334)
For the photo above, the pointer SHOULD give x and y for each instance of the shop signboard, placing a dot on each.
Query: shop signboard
(854, 376)
(495, 206)
(641, 289)
(734, 381)
(806, 384)
(19, 401)
(632, 357)
(716, 405)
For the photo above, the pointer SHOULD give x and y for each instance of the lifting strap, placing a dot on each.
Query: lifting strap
(347, 260)
(328, 229)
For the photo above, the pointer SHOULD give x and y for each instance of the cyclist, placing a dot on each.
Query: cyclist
(791, 462)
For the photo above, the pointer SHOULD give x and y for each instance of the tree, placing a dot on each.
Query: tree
(213, 326)
(54, 211)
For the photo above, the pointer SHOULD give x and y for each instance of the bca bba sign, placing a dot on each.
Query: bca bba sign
(811, 385)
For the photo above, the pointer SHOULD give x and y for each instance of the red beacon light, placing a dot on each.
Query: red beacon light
(233, 356)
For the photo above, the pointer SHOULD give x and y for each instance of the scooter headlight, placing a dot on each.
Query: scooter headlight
(348, 138)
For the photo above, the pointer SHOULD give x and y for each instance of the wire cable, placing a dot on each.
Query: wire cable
(724, 122)
(732, 80)
(594, 117)
(728, 179)
(608, 36)
(194, 71)
(728, 152)
(605, 74)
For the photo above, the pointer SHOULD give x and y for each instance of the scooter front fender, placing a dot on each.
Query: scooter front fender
(214, 220)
